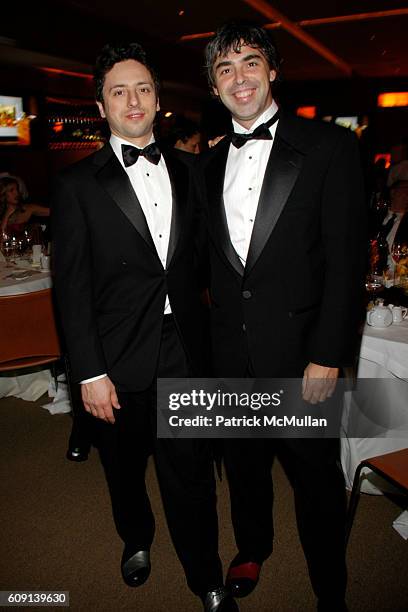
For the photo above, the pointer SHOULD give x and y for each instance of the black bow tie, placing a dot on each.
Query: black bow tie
(131, 154)
(260, 133)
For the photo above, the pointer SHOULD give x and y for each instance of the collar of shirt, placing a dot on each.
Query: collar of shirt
(116, 144)
(266, 115)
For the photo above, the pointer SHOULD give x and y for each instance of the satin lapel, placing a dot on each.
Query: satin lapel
(179, 180)
(215, 174)
(115, 181)
(282, 170)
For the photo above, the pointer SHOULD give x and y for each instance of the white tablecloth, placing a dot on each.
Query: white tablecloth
(29, 387)
(383, 355)
(387, 347)
(35, 280)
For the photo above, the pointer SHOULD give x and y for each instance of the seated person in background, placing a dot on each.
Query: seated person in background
(186, 136)
(394, 229)
(14, 215)
(21, 184)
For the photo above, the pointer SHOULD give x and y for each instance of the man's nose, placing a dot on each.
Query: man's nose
(239, 75)
(133, 99)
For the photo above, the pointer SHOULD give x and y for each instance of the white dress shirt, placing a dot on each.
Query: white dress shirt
(244, 176)
(152, 186)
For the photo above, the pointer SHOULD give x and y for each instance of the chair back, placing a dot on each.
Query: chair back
(392, 466)
(28, 333)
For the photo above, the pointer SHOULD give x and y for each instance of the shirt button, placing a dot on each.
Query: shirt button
(147, 174)
(246, 295)
(160, 236)
(249, 188)
(251, 220)
(243, 327)
(155, 203)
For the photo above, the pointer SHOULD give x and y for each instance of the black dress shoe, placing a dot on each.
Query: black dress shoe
(78, 453)
(243, 577)
(219, 600)
(135, 567)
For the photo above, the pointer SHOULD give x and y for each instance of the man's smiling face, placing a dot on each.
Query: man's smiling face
(129, 102)
(243, 82)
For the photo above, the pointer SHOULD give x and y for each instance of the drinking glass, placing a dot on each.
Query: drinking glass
(374, 284)
(399, 250)
(8, 248)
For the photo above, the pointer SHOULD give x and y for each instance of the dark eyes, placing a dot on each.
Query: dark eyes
(142, 90)
(251, 64)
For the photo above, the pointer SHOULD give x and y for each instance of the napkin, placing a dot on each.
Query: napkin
(22, 274)
(401, 524)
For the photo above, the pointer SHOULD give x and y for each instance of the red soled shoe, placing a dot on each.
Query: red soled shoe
(242, 578)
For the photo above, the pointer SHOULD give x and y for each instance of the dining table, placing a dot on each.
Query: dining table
(378, 413)
(22, 277)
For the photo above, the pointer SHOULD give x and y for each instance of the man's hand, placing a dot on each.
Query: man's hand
(318, 383)
(99, 396)
(215, 141)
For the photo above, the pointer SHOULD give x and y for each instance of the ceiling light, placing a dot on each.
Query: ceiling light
(309, 112)
(393, 98)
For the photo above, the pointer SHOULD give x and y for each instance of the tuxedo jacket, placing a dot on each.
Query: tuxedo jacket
(110, 283)
(298, 298)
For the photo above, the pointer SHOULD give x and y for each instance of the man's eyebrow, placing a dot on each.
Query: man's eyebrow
(223, 63)
(246, 58)
(127, 84)
(251, 56)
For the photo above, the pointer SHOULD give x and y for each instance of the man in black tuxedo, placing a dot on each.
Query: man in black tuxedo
(127, 290)
(284, 208)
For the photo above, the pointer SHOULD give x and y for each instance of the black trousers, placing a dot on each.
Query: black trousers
(320, 500)
(185, 473)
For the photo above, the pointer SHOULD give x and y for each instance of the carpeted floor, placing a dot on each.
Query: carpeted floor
(57, 534)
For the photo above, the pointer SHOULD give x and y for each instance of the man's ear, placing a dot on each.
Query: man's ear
(272, 75)
(158, 105)
(215, 91)
(101, 110)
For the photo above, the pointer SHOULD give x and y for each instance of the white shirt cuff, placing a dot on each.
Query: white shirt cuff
(92, 379)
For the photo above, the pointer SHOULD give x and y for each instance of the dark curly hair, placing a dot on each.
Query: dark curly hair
(5, 182)
(232, 36)
(113, 53)
(183, 129)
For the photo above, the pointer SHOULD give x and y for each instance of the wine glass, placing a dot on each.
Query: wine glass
(397, 253)
(399, 250)
(8, 248)
(374, 284)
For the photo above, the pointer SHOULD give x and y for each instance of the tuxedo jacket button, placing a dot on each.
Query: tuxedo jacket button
(246, 295)
(244, 327)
